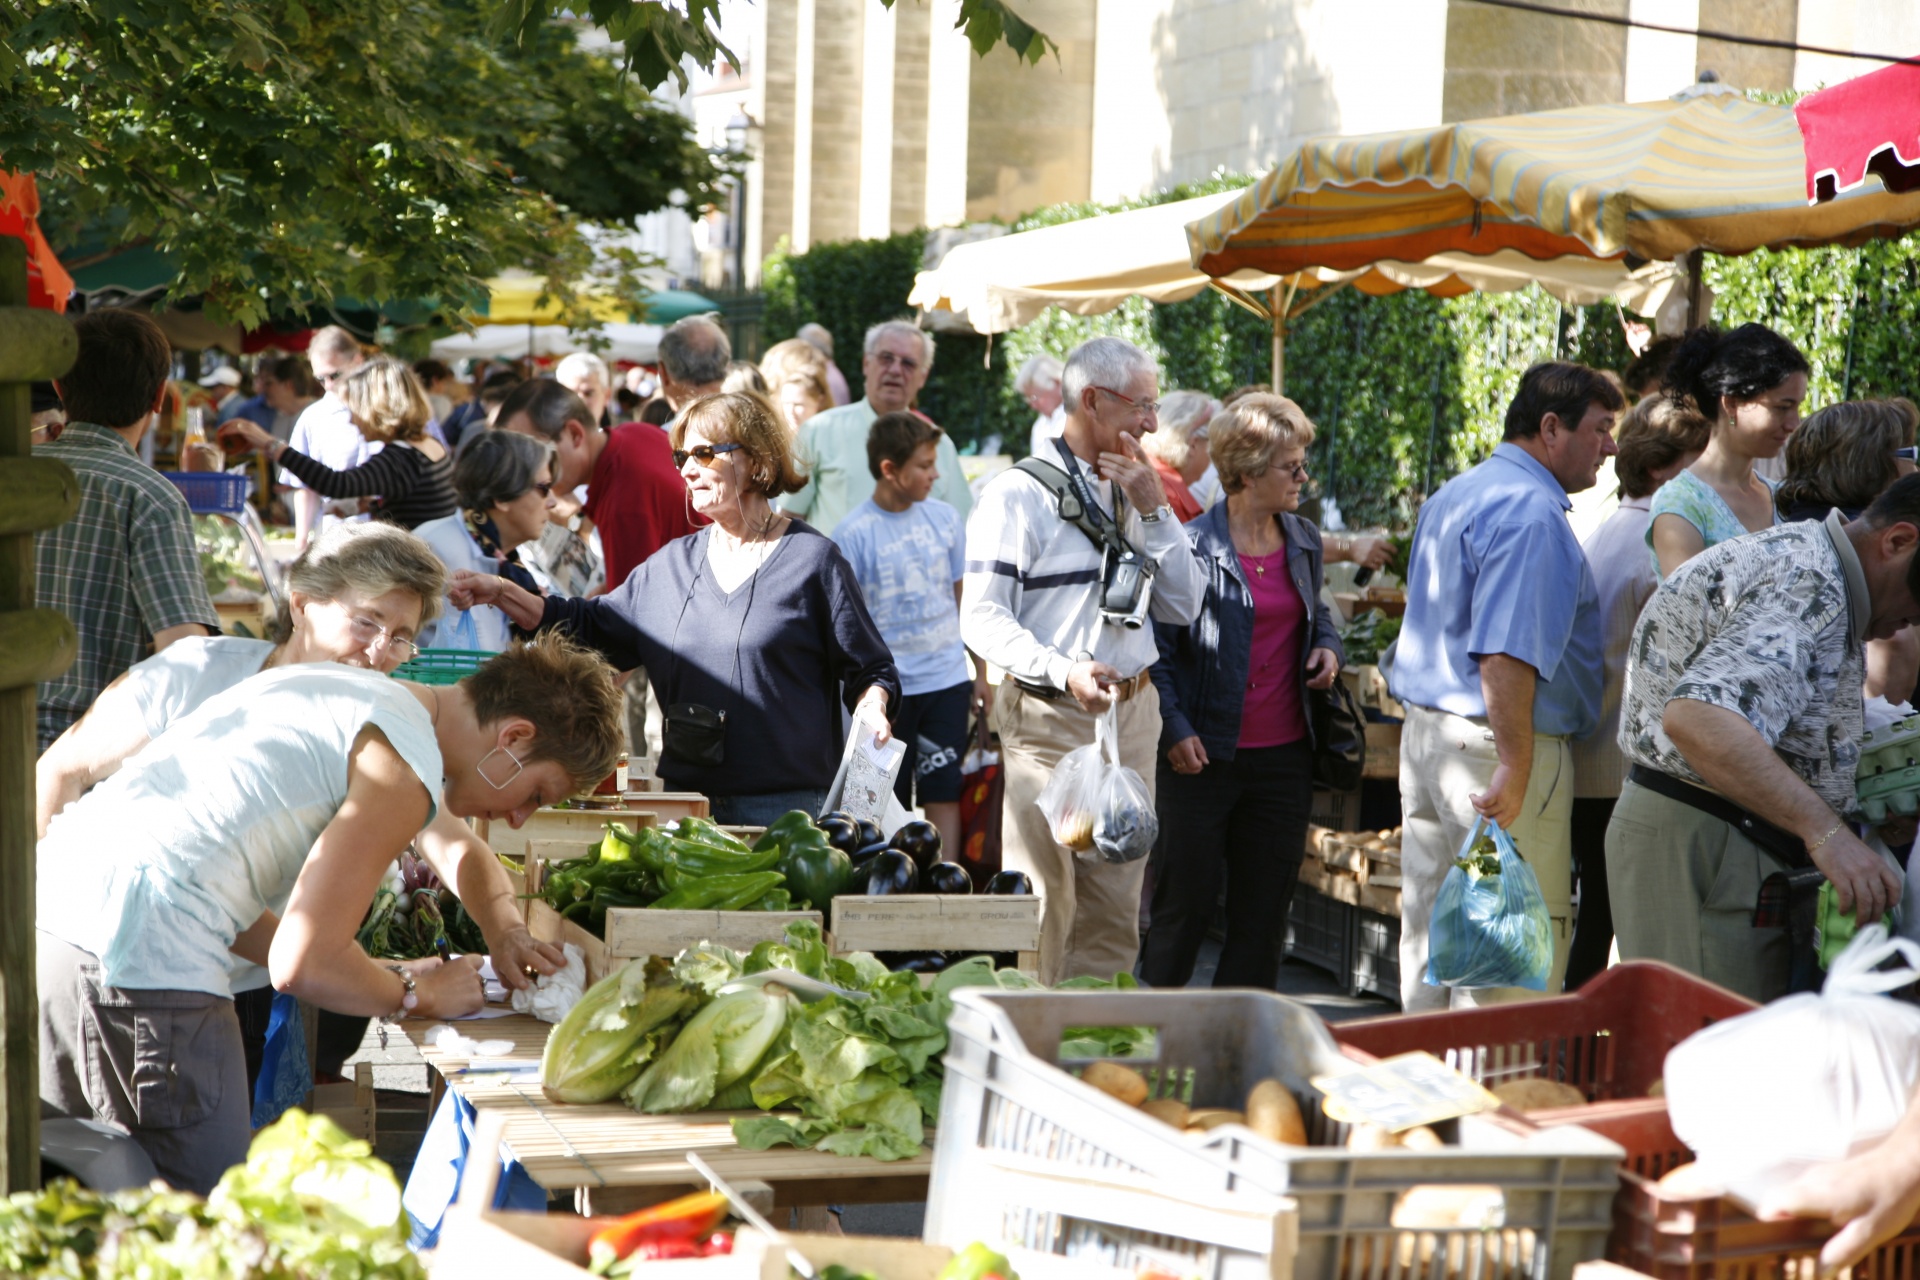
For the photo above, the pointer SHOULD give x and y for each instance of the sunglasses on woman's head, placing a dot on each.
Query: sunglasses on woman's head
(704, 454)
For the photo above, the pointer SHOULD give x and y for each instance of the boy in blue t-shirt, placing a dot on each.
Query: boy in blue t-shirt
(909, 553)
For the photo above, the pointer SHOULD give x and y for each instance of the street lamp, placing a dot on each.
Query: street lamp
(738, 129)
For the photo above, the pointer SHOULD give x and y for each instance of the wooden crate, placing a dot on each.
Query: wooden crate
(350, 1104)
(933, 922)
(632, 933)
(1383, 750)
(578, 829)
(1358, 854)
(1370, 687)
(1348, 889)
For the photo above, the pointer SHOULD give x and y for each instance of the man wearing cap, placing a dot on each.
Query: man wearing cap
(223, 392)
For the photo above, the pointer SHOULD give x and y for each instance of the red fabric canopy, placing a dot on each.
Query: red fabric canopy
(1870, 124)
(48, 283)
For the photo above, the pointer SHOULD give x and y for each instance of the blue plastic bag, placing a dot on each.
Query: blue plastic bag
(285, 1076)
(1490, 928)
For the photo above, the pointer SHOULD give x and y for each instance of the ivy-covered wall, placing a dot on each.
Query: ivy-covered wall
(1406, 390)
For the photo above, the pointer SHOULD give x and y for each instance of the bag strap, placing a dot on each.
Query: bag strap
(1104, 534)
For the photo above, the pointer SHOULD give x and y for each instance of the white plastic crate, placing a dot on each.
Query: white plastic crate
(1006, 1097)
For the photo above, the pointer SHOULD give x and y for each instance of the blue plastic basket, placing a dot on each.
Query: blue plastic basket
(211, 493)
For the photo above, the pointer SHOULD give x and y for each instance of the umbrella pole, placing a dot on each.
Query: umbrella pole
(1277, 308)
(1696, 288)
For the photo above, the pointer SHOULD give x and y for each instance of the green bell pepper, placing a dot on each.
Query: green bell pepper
(815, 871)
(709, 892)
(702, 831)
(783, 829)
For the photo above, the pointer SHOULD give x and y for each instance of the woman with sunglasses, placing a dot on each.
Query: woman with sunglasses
(258, 828)
(1236, 781)
(749, 630)
(505, 483)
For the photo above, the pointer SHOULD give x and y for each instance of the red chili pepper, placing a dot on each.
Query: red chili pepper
(682, 1221)
(720, 1242)
(661, 1250)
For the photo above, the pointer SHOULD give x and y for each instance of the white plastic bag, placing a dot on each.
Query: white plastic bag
(1095, 805)
(1807, 1080)
(1072, 797)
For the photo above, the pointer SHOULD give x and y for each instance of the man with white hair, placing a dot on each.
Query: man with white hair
(820, 339)
(1042, 602)
(832, 446)
(585, 374)
(325, 430)
(1038, 383)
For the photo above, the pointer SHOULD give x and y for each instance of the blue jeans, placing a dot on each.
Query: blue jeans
(761, 810)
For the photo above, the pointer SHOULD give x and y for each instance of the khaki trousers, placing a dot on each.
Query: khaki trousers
(1089, 910)
(1444, 759)
(1684, 885)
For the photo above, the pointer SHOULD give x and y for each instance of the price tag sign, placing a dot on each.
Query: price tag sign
(1402, 1093)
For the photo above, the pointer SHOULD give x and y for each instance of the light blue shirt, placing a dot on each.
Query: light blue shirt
(907, 563)
(1496, 569)
(481, 629)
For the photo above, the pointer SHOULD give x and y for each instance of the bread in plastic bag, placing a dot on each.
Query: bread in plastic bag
(1807, 1080)
(1490, 926)
(1072, 796)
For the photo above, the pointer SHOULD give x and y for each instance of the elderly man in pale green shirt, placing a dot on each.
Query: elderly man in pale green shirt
(833, 445)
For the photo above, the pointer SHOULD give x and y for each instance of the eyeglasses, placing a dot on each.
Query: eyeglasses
(704, 454)
(887, 360)
(368, 633)
(1298, 470)
(1151, 408)
(544, 490)
(1911, 453)
(328, 379)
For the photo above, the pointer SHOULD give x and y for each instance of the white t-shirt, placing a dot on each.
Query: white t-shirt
(159, 868)
(483, 628)
(177, 680)
(906, 563)
(325, 433)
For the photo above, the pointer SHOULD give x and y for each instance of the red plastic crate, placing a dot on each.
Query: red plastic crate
(1609, 1039)
(1671, 1238)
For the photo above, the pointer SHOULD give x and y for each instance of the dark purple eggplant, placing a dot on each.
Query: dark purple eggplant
(862, 859)
(890, 871)
(922, 962)
(841, 833)
(867, 853)
(1010, 882)
(870, 832)
(947, 878)
(919, 841)
(833, 815)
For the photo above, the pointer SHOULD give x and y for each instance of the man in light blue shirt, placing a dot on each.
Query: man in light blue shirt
(1500, 661)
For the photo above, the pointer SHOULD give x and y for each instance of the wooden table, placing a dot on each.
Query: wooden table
(616, 1159)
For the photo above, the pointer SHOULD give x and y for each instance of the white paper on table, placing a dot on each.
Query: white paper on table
(863, 787)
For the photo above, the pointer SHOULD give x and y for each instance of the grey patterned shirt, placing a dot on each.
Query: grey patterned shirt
(1771, 626)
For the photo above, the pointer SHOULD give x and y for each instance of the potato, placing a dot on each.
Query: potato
(1439, 1207)
(1121, 1082)
(1421, 1138)
(1167, 1110)
(1539, 1095)
(1371, 1137)
(1273, 1113)
(1204, 1118)
(1686, 1182)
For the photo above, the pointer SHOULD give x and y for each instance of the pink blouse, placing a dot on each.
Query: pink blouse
(1272, 714)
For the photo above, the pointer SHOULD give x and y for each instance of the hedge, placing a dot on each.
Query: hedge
(1405, 390)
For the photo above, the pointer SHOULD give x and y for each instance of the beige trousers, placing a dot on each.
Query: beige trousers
(1089, 910)
(1444, 759)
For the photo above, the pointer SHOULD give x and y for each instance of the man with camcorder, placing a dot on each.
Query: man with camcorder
(1068, 556)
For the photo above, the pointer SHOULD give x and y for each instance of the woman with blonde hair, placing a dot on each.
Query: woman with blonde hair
(409, 481)
(749, 629)
(797, 380)
(1236, 780)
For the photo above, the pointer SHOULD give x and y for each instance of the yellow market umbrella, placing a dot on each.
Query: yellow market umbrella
(1704, 170)
(1091, 266)
(514, 298)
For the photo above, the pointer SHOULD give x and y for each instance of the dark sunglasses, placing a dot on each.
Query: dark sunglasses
(704, 454)
(544, 490)
(1911, 453)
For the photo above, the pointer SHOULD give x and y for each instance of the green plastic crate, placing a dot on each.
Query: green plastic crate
(441, 666)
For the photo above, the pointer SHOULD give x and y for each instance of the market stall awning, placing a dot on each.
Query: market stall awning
(1870, 124)
(639, 343)
(1706, 169)
(48, 283)
(1093, 265)
(514, 298)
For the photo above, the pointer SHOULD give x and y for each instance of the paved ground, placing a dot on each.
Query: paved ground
(400, 1075)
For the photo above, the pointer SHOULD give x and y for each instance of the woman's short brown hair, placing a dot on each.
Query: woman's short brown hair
(1656, 433)
(1842, 456)
(801, 362)
(386, 399)
(370, 559)
(1244, 437)
(568, 694)
(750, 421)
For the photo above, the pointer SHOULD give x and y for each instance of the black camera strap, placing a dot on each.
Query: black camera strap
(1073, 499)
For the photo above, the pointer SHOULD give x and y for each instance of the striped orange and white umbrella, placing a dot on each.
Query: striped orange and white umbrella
(1705, 170)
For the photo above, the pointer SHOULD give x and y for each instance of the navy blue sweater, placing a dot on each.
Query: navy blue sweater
(803, 639)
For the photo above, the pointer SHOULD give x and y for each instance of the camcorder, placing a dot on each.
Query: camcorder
(1126, 588)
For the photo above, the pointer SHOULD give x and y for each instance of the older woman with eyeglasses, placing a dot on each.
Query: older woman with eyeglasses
(1178, 450)
(1236, 781)
(505, 483)
(748, 629)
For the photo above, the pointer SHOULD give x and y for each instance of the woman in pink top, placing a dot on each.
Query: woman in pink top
(1236, 780)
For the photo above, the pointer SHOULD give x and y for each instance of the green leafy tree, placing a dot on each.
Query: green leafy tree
(288, 152)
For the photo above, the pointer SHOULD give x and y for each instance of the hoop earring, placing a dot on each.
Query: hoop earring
(518, 766)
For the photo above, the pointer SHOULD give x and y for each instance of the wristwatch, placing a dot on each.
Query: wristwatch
(1159, 513)
(409, 999)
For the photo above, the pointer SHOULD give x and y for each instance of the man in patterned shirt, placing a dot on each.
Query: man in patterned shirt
(1741, 718)
(124, 569)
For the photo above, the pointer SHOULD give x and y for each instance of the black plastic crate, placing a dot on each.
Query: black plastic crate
(1320, 931)
(1375, 964)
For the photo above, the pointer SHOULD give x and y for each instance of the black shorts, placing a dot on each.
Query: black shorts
(934, 727)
